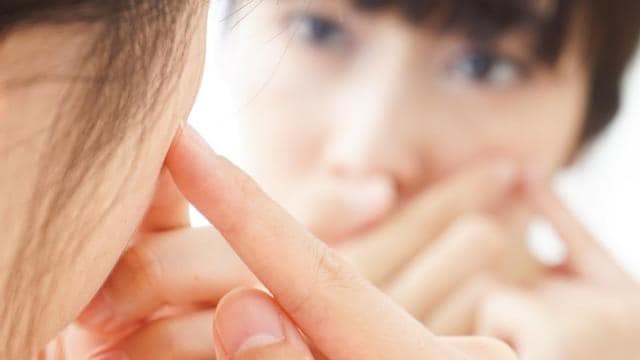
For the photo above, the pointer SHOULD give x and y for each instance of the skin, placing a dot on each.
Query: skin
(329, 301)
(28, 113)
(379, 115)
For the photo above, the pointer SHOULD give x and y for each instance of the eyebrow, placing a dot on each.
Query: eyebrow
(547, 21)
(498, 14)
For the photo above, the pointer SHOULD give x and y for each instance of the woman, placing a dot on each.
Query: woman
(93, 94)
(395, 101)
(397, 107)
(377, 124)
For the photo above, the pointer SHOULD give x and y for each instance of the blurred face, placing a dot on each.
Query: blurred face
(73, 247)
(348, 114)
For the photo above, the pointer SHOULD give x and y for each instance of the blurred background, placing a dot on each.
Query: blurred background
(603, 187)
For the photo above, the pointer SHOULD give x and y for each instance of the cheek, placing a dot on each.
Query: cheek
(283, 143)
(537, 126)
(110, 215)
(284, 121)
(547, 131)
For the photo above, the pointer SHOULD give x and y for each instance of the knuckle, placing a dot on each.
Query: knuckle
(247, 186)
(146, 268)
(331, 273)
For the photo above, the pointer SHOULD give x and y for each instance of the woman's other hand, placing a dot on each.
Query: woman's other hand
(588, 308)
(432, 256)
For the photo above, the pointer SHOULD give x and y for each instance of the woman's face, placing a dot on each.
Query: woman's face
(59, 270)
(348, 114)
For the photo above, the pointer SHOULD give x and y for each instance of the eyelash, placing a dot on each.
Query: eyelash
(320, 31)
(489, 68)
(480, 66)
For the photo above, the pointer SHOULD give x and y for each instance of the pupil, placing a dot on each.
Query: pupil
(321, 29)
(480, 66)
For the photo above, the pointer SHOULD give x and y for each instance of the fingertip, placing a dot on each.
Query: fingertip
(186, 140)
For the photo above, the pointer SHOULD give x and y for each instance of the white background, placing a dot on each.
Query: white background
(603, 188)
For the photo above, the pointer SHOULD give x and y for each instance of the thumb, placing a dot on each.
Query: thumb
(250, 325)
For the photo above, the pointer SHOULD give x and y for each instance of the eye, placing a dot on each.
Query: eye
(489, 68)
(320, 31)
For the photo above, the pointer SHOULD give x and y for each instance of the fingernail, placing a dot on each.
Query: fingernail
(99, 313)
(247, 323)
(115, 355)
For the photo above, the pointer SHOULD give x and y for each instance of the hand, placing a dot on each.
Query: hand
(314, 290)
(586, 309)
(421, 256)
(159, 301)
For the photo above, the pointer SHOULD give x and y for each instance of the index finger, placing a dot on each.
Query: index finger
(585, 255)
(328, 300)
(476, 189)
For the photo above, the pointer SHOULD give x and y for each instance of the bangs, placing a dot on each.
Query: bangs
(487, 20)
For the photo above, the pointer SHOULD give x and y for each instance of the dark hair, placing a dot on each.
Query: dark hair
(125, 71)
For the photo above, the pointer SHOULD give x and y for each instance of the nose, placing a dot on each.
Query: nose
(374, 134)
(373, 148)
